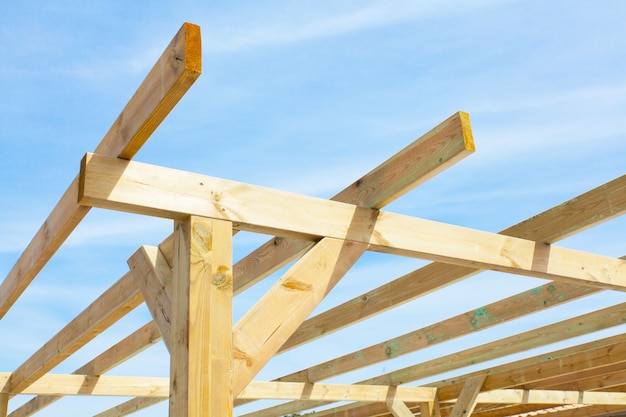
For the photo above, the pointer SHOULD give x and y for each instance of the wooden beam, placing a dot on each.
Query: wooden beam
(433, 152)
(201, 364)
(570, 360)
(130, 407)
(146, 189)
(264, 328)
(590, 208)
(611, 316)
(172, 75)
(99, 385)
(128, 347)
(430, 408)
(4, 404)
(466, 401)
(398, 408)
(536, 396)
(112, 305)
(611, 350)
(153, 275)
(334, 392)
(542, 297)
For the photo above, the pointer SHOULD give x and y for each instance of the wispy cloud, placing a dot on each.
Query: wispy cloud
(279, 29)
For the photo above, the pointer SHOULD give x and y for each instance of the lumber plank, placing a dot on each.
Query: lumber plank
(430, 408)
(537, 396)
(100, 385)
(4, 404)
(334, 392)
(542, 297)
(433, 152)
(264, 328)
(607, 351)
(398, 408)
(588, 209)
(172, 75)
(145, 189)
(113, 304)
(129, 407)
(201, 350)
(125, 349)
(611, 316)
(153, 275)
(466, 402)
(610, 351)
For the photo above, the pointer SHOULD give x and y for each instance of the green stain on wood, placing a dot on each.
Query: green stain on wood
(391, 348)
(481, 317)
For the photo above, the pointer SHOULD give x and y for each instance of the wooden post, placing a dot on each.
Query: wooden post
(4, 404)
(201, 364)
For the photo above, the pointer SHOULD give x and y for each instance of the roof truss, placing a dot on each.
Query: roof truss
(188, 282)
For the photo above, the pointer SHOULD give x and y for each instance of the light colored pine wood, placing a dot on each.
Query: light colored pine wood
(611, 350)
(433, 152)
(430, 408)
(146, 189)
(445, 330)
(129, 407)
(4, 404)
(115, 303)
(175, 71)
(520, 396)
(334, 392)
(398, 408)
(577, 214)
(128, 347)
(58, 384)
(264, 328)
(201, 367)
(154, 278)
(466, 401)
(611, 316)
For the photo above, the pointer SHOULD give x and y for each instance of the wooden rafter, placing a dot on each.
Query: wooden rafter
(170, 78)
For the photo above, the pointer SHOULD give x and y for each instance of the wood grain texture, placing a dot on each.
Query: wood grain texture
(175, 71)
(334, 392)
(129, 407)
(466, 401)
(154, 279)
(201, 350)
(100, 385)
(611, 316)
(518, 305)
(264, 328)
(146, 189)
(572, 216)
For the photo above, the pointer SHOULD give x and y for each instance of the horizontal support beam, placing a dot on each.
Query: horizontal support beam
(120, 299)
(58, 384)
(555, 397)
(156, 191)
(335, 392)
(155, 387)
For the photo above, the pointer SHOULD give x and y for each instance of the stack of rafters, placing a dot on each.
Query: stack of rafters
(189, 280)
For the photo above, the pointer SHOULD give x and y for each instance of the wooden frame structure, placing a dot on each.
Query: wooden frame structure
(188, 282)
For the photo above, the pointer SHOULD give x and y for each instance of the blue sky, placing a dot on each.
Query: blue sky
(307, 97)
